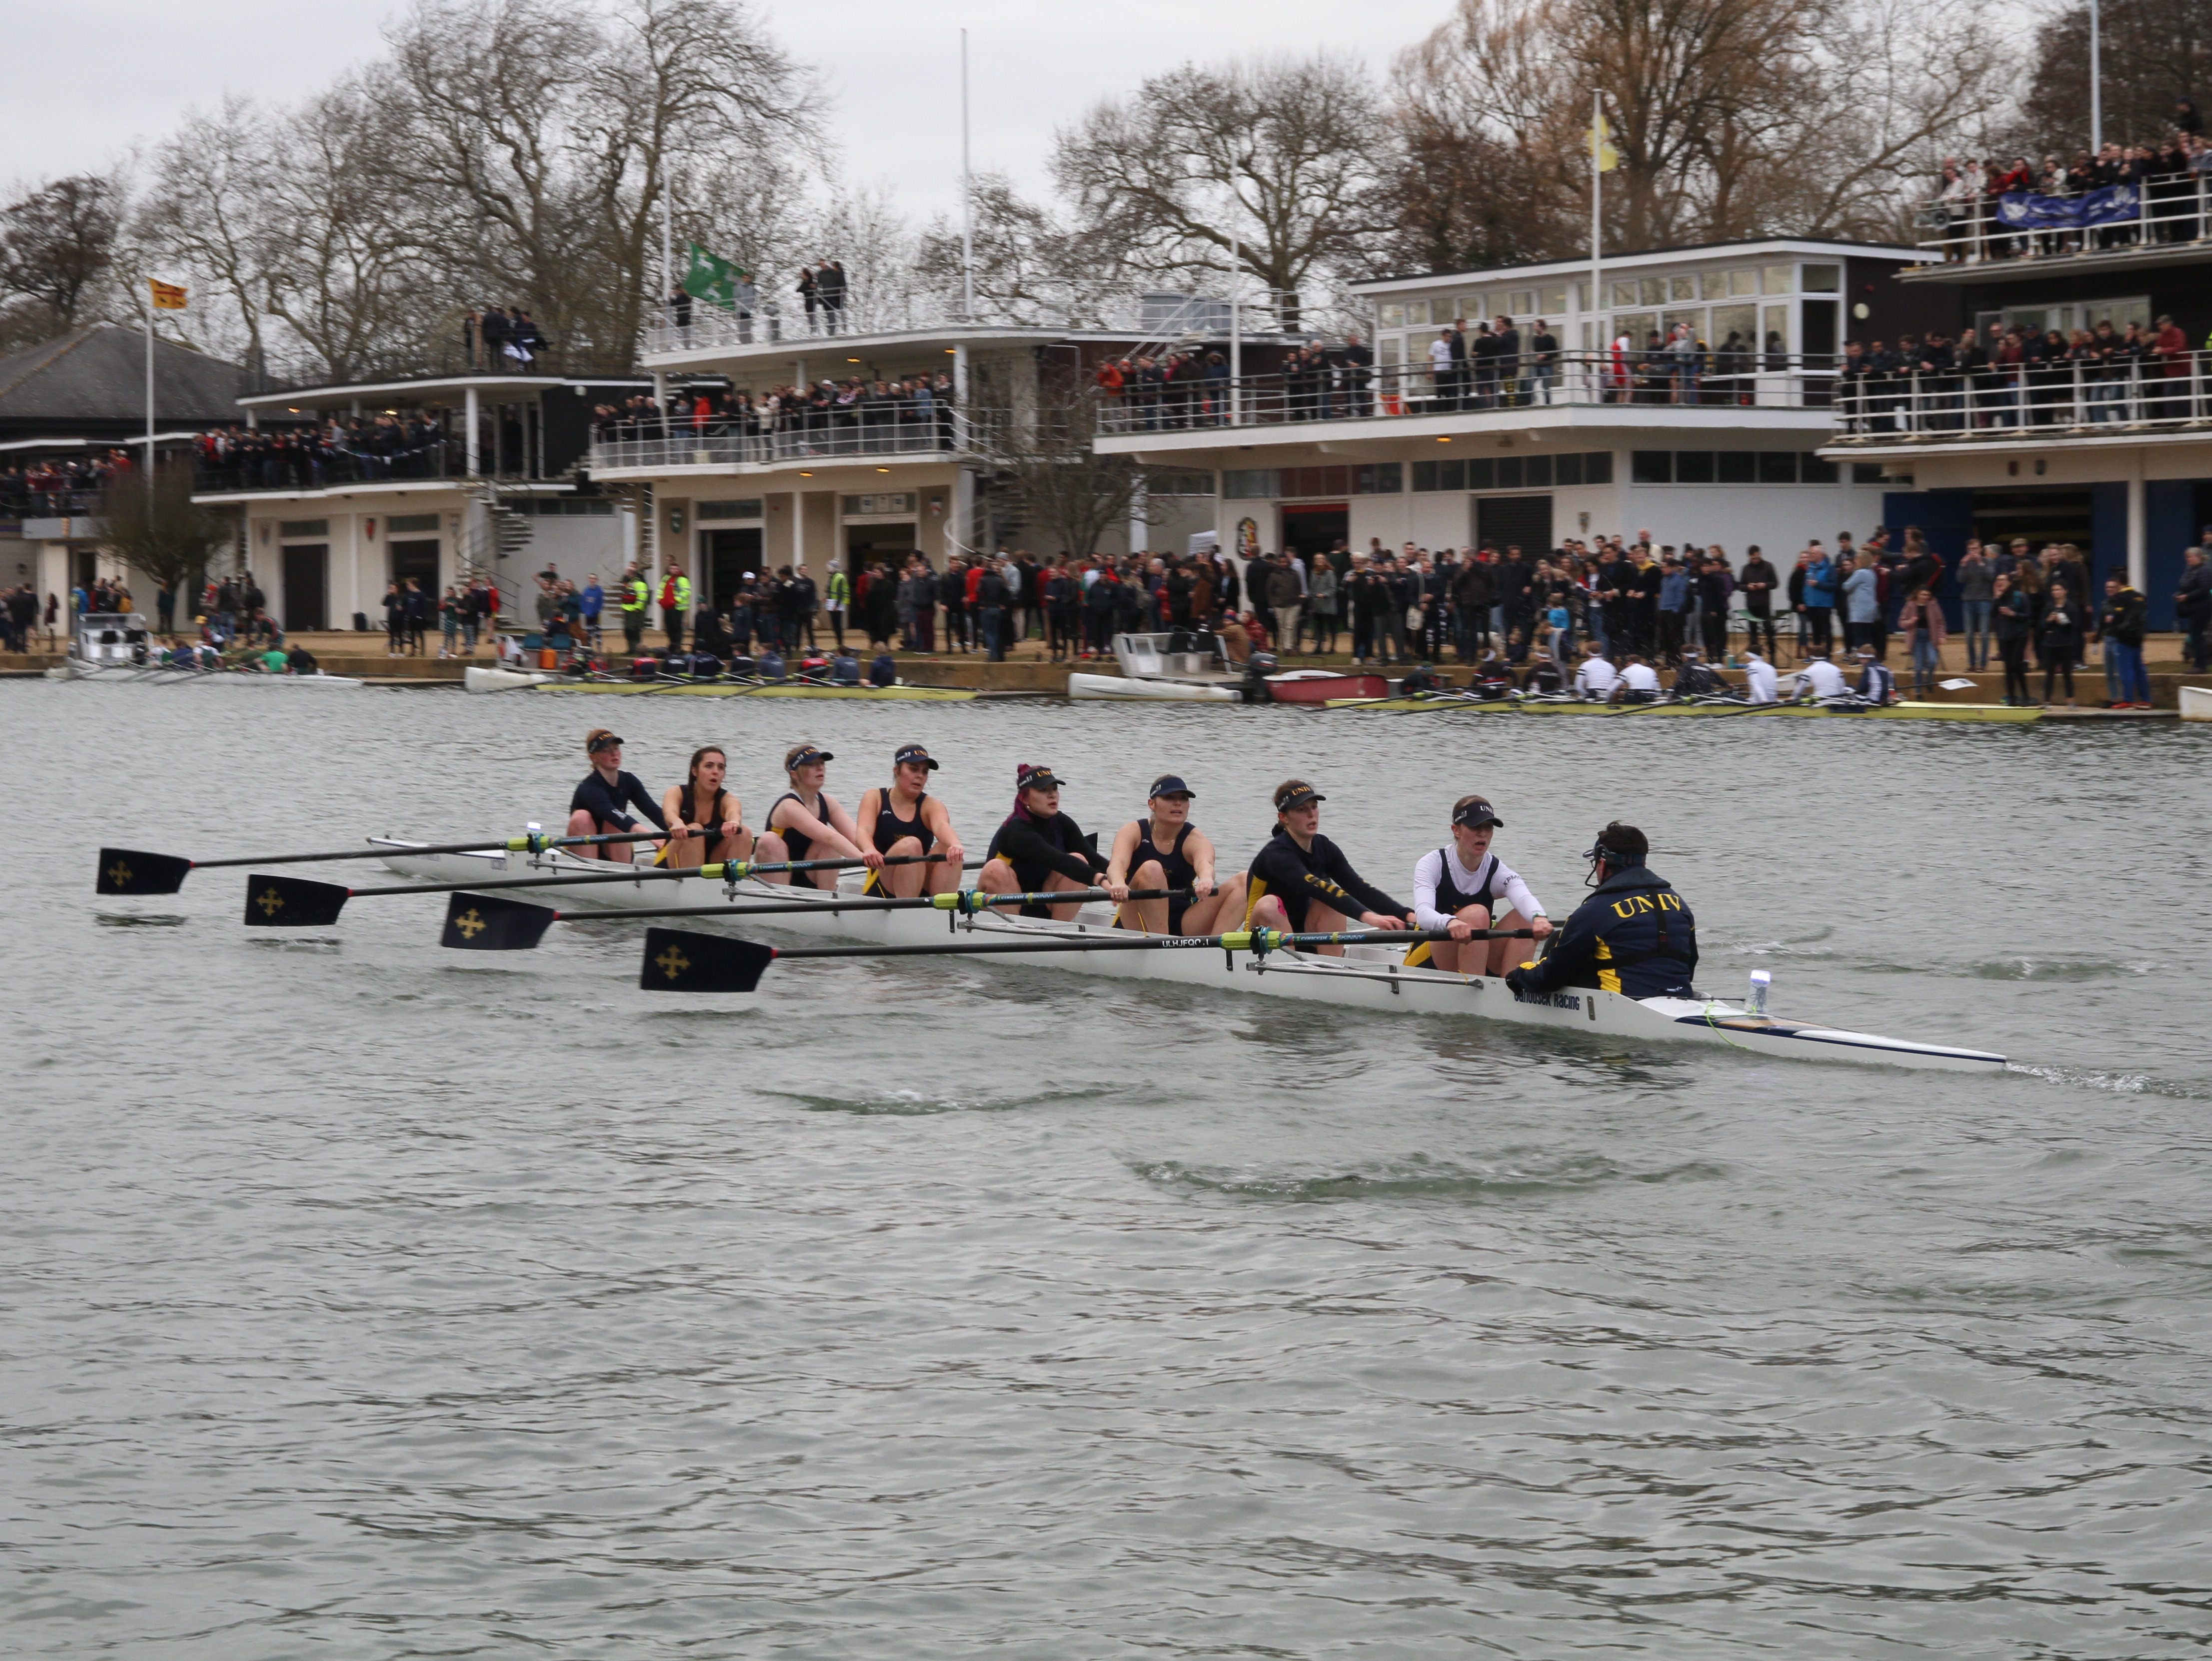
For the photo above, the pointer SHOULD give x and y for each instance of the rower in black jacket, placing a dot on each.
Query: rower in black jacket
(1301, 881)
(1038, 848)
(1634, 934)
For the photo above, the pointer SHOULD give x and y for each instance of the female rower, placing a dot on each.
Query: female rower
(704, 820)
(1038, 848)
(806, 823)
(905, 821)
(596, 808)
(1461, 887)
(1166, 850)
(1301, 881)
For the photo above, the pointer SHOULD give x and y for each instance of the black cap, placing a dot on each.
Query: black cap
(600, 741)
(1028, 775)
(1474, 812)
(914, 753)
(1169, 784)
(1294, 793)
(805, 755)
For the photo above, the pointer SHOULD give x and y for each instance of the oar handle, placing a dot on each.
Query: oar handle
(1257, 940)
(483, 845)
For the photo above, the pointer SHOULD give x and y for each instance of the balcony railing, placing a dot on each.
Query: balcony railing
(942, 429)
(282, 465)
(783, 319)
(2049, 401)
(21, 503)
(1341, 392)
(2169, 210)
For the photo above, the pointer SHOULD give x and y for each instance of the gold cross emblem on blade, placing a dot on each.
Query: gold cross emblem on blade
(270, 902)
(119, 873)
(469, 923)
(672, 963)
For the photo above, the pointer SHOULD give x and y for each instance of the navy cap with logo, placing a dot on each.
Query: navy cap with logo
(1028, 775)
(805, 755)
(1169, 784)
(916, 754)
(1474, 812)
(1295, 794)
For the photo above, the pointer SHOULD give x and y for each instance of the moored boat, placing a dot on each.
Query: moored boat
(1367, 978)
(1324, 686)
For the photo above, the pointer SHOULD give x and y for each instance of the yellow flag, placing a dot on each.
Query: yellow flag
(168, 296)
(1600, 146)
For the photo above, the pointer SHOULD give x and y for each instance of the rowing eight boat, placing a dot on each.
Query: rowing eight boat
(1901, 711)
(1365, 978)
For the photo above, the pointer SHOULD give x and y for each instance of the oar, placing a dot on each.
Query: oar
(128, 871)
(478, 922)
(298, 903)
(679, 961)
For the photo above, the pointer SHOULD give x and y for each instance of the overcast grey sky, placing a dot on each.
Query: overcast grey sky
(93, 75)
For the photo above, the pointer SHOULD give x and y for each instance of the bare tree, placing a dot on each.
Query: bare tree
(1045, 470)
(1271, 168)
(56, 244)
(160, 531)
(1032, 266)
(2154, 51)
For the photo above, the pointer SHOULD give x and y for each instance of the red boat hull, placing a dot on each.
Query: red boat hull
(1321, 688)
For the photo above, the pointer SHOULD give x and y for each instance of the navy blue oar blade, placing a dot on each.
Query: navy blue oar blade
(273, 902)
(485, 922)
(677, 960)
(127, 871)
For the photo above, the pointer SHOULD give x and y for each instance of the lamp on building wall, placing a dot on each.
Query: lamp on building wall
(368, 529)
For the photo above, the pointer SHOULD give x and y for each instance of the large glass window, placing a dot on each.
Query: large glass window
(1823, 279)
(1392, 314)
(1743, 283)
(1553, 301)
(1713, 285)
(1736, 323)
(1624, 293)
(1682, 288)
(1251, 484)
(303, 528)
(1417, 313)
(1651, 291)
(1775, 279)
(1651, 467)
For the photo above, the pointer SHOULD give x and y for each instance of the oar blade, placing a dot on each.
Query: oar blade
(677, 960)
(127, 871)
(274, 902)
(485, 922)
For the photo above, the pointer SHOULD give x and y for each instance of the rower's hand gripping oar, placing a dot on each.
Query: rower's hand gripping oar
(129, 870)
(481, 922)
(273, 902)
(676, 960)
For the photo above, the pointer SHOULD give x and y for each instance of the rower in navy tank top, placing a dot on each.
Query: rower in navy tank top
(924, 827)
(1165, 849)
(807, 823)
(1466, 888)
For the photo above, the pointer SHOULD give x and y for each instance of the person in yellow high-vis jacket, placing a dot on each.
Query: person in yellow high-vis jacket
(635, 598)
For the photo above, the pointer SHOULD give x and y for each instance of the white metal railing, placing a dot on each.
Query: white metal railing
(782, 319)
(1968, 226)
(1157, 398)
(939, 429)
(2050, 400)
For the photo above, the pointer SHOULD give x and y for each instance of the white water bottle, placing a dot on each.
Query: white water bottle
(1754, 1002)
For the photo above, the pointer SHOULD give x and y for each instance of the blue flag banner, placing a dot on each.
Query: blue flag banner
(2024, 210)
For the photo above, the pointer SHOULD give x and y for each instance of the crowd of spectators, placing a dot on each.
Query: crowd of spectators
(2167, 178)
(855, 417)
(501, 337)
(2008, 376)
(343, 450)
(59, 488)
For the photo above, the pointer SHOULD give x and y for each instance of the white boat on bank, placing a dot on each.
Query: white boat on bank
(1181, 666)
(2197, 703)
(1373, 978)
(115, 646)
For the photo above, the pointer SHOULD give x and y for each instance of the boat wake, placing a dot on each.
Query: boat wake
(1421, 1179)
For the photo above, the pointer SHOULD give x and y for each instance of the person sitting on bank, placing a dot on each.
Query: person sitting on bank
(1634, 934)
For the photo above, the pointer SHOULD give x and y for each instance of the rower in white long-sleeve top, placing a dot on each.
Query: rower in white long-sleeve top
(1466, 888)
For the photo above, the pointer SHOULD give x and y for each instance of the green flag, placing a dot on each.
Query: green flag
(712, 279)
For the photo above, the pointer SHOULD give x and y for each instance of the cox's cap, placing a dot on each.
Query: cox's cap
(1295, 794)
(1031, 776)
(916, 754)
(1474, 812)
(805, 755)
(1168, 784)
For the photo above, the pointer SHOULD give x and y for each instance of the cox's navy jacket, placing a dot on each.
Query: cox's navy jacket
(1634, 934)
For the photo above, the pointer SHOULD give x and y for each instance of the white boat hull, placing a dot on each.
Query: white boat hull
(2197, 703)
(479, 679)
(1125, 688)
(1366, 978)
(158, 675)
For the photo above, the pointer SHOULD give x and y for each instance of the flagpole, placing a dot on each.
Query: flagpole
(1597, 222)
(967, 195)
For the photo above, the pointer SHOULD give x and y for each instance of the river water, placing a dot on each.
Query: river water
(363, 1299)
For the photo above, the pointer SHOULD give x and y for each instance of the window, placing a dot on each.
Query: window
(303, 528)
(1393, 352)
(403, 524)
(1775, 279)
(1823, 279)
(1417, 313)
(1693, 466)
(1777, 467)
(1535, 472)
(1776, 328)
(1313, 481)
(1567, 470)
(1866, 473)
(1651, 291)
(1624, 293)
(1737, 467)
(743, 507)
(1381, 478)
(1510, 473)
(1743, 283)
(1181, 484)
(1636, 325)
(1523, 303)
(1811, 470)
(1682, 288)
(1742, 321)
(1393, 315)
(1651, 467)
(1472, 305)
(1713, 285)
(1551, 301)
(1481, 473)
(1696, 319)
(1253, 484)
(1597, 467)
